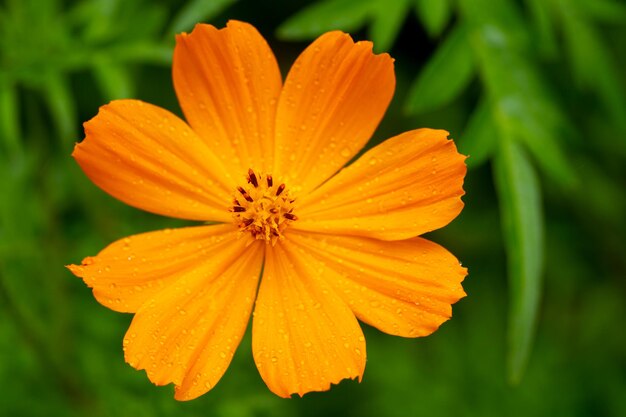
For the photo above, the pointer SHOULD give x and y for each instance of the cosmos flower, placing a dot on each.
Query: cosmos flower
(300, 241)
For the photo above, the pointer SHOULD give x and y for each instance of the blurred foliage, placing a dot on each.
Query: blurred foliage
(532, 89)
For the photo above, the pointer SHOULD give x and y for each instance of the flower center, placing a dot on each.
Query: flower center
(262, 208)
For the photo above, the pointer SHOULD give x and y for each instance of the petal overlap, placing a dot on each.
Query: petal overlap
(404, 288)
(188, 333)
(228, 83)
(304, 337)
(149, 158)
(128, 272)
(406, 186)
(333, 99)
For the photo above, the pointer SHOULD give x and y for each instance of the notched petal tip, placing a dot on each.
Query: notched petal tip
(232, 24)
(79, 270)
(74, 269)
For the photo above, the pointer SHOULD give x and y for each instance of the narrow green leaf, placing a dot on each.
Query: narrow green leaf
(9, 116)
(141, 52)
(323, 16)
(113, 78)
(196, 11)
(529, 120)
(388, 17)
(543, 22)
(593, 65)
(445, 76)
(61, 105)
(434, 14)
(479, 139)
(522, 223)
(521, 99)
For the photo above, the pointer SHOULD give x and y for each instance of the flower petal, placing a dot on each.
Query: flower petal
(132, 270)
(187, 333)
(228, 83)
(334, 97)
(403, 288)
(406, 186)
(148, 158)
(304, 337)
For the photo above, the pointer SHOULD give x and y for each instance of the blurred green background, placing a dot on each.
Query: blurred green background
(533, 91)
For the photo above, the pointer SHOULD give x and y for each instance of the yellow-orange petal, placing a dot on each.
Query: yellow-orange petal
(148, 158)
(132, 270)
(304, 337)
(187, 333)
(228, 83)
(404, 288)
(333, 99)
(406, 186)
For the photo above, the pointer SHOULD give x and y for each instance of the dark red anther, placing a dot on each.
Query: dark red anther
(290, 216)
(252, 178)
(280, 189)
(245, 194)
(248, 222)
(270, 182)
(238, 209)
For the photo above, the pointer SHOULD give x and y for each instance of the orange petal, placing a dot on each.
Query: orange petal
(404, 288)
(406, 186)
(228, 83)
(149, 158)
(187, 333)
(334, 97)
(304, 337)
(134, 269)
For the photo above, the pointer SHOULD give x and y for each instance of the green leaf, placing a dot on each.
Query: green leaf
(141, 52)
(529, 120)
(480, 137)
(59, 100)
(434, 14)
(113, 78)
(323, 16)
(522, 223)
(543, 22)
(196, 11)
(523, 106)
(388, 18)
(445, 76)
(9, 116)
(593, 65)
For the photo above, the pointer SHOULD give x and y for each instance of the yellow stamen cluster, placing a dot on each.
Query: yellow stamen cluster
(262, 208)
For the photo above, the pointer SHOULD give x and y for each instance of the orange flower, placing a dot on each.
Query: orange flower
(264, 161)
